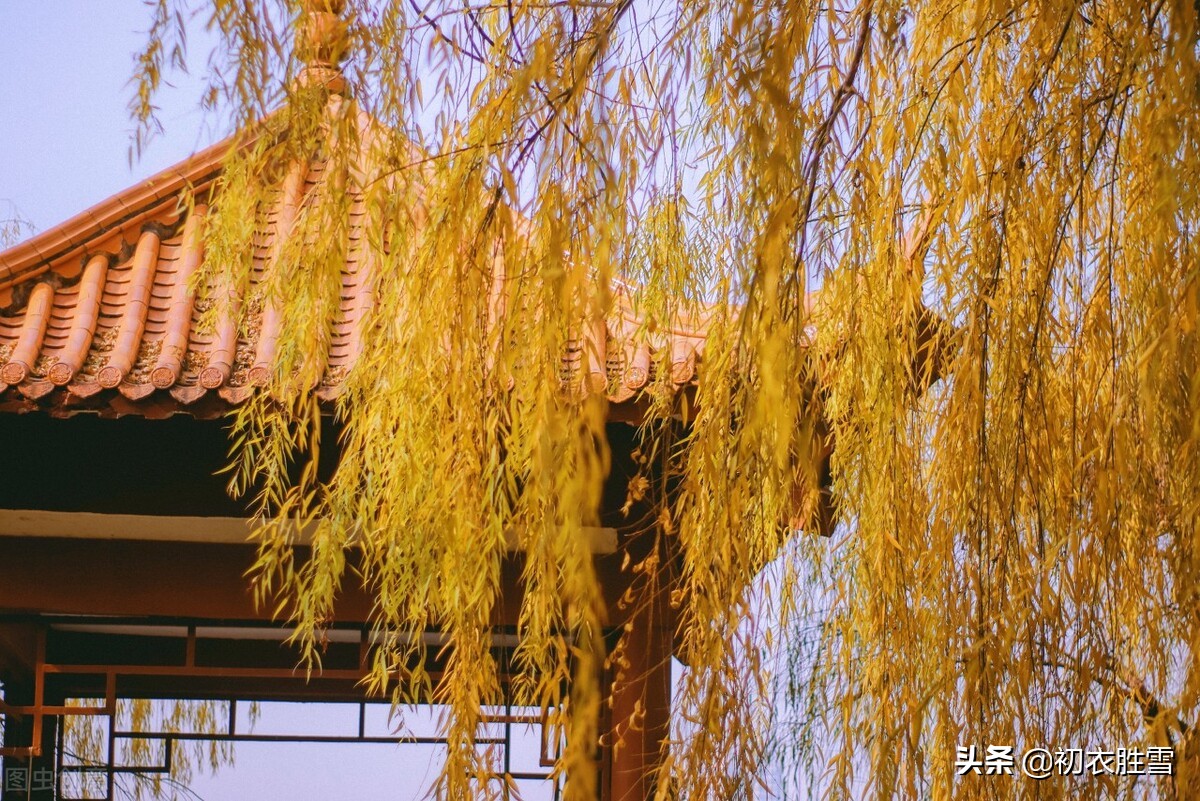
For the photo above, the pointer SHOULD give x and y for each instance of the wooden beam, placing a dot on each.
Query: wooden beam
(164, 528)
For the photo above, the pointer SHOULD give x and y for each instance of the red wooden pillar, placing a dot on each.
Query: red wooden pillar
(640, 696)
(25, 774)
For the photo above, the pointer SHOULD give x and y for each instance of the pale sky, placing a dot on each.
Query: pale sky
(64, 125)
(65, 137)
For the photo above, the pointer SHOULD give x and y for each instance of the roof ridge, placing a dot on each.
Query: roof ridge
(37, 254)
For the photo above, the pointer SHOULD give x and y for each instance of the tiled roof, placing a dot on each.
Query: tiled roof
(95, 314)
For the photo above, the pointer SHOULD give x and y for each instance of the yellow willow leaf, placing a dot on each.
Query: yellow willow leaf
(868, 569)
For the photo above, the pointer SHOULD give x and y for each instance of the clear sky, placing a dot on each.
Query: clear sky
(65, 137)
(64, 124)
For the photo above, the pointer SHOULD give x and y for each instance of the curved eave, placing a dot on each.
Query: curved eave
(124, 210)
(95, 314)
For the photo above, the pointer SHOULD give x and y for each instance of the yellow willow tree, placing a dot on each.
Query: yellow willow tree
(1014, 555)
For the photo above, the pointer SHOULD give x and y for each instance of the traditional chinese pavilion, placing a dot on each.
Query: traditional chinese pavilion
(122, 558)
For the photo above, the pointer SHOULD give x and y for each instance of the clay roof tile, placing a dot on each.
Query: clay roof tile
(102, 311)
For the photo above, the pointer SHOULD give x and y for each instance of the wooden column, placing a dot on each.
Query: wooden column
(25, 777)
(640, 694)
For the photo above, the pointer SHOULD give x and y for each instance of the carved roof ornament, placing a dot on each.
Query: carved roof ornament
(321, 43)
